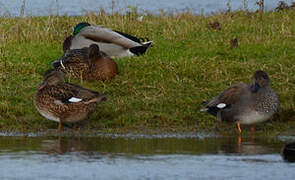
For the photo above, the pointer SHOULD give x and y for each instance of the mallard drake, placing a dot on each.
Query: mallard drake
(87, 63)
(64, 102)
(113, 43)
(245, 104)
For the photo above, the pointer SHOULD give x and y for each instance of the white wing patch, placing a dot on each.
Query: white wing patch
(221, 105)
(74, 99)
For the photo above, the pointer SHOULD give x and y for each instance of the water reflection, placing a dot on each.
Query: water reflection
(64, 145)
(142, 158)
(142, 146)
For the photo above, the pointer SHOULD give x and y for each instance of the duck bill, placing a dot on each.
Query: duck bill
(255, 87)
(42, 85)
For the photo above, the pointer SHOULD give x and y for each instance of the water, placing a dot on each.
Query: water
(79, 7)
(142, 157)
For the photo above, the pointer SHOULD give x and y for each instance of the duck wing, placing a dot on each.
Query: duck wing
(72, 94)
(106, 35)
(86, 95)
(75, 56)
(229, 96)
(225, 100)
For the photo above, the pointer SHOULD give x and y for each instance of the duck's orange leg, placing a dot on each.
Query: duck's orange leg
(59, 127)
(252, 129)
(239, 128)
(239, 144)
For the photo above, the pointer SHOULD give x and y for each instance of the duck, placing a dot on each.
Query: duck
(214, 25)
(64, 102)
(113, 43)
(246, 104)
(234, 43)
(87, 63)
(288, 152)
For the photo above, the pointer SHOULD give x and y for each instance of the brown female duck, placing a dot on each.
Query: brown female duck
(64, 102)
(87, 63)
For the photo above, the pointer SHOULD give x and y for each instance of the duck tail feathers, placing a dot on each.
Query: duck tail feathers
(55, 64)
(97, 99)
(213, 110)
(138, 50)
(147, 43)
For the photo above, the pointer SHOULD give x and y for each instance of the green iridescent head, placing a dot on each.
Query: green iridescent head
(80, 26)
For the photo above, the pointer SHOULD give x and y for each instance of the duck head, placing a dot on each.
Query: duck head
(261, 80)
(80, 26)
(52, 77)
(94, 53)
(67, 43)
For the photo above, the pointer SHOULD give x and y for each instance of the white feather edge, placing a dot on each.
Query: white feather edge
(74, 99)
(144, 43)
(62, 65)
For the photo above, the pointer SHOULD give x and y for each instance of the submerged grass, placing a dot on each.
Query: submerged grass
(162, 90)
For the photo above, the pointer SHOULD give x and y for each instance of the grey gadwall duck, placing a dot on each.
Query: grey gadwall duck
(113, 43)
(64, 102)
(245, 104)
(87, 63)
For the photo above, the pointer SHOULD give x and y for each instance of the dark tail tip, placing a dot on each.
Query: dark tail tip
(213, 110)
(147, 44)
(138, 50)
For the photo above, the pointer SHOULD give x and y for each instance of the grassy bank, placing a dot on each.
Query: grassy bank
(163, 89)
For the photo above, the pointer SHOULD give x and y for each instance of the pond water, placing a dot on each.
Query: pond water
(142, 157)
(79, 7)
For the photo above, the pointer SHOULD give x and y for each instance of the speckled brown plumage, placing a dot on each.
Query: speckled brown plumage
(87, 63)
(53, 99)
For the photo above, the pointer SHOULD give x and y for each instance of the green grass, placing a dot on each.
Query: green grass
(161, 91)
